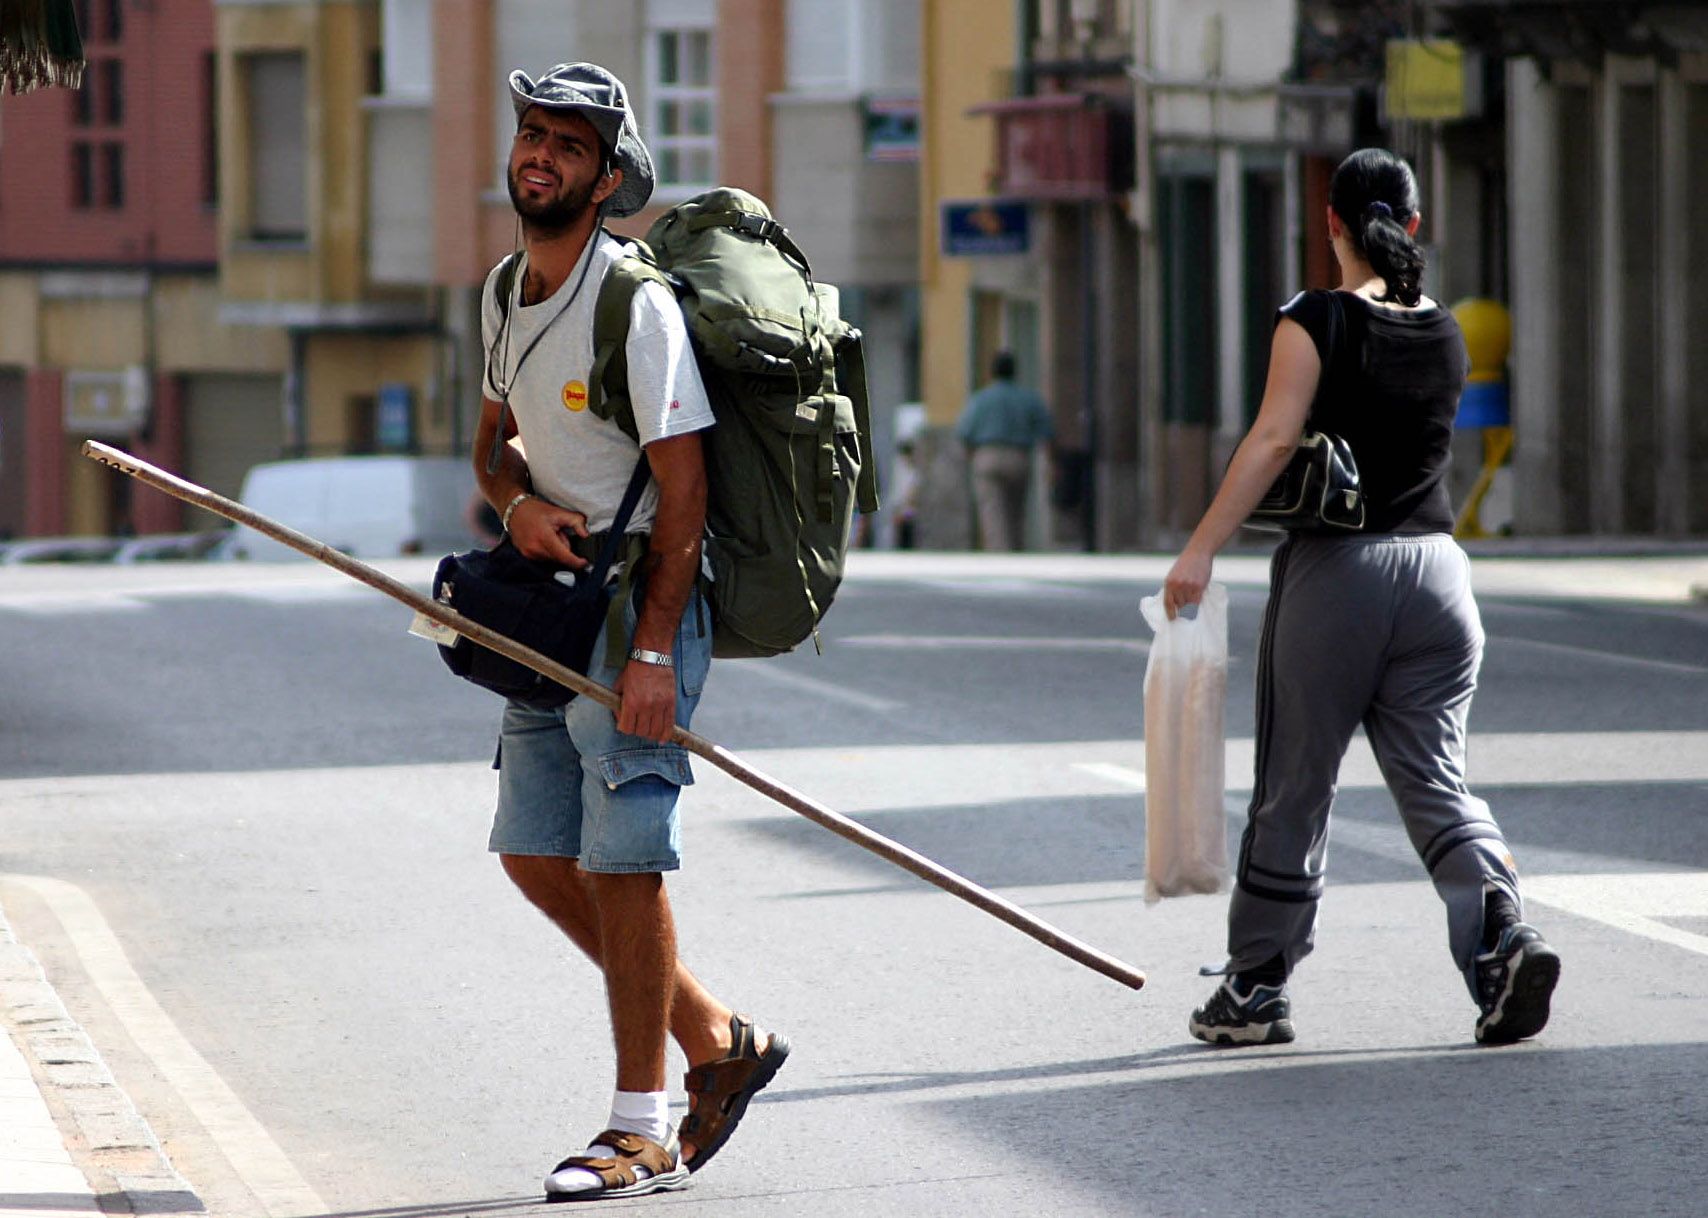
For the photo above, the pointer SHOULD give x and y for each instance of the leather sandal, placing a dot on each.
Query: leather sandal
(616, 1172)
(725, 1087)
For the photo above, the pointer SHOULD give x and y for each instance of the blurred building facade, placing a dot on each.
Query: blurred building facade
(260, 229)
(110, 241)
(282, 224)
(1172, 158)
(1579, 187)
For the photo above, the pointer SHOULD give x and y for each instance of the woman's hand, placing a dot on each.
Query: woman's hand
(1186, 581)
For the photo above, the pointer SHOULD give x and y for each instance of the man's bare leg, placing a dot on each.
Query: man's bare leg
(636, 928)
(558, 888)
(699, 1023)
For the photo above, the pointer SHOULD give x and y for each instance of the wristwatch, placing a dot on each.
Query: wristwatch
(659, 659)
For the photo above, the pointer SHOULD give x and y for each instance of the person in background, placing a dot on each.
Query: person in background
(1001, 425)
(1376, 627)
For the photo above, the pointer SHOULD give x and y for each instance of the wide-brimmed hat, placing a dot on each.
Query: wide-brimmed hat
(598, 96)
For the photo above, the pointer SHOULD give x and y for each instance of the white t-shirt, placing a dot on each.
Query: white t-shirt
(575, 458)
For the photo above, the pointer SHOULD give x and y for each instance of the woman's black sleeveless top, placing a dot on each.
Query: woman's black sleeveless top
(1390, 387)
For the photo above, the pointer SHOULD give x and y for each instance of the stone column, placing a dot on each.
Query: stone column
(1672, 423)
(44, 451)
(1533, 160)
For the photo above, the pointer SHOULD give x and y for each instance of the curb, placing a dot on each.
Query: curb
(107, 1139)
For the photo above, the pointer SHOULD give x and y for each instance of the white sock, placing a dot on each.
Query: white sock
(644, 1112)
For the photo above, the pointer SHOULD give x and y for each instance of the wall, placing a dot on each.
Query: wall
(338, 41)
(859, 220)
(166, 112)
(749, 70)
(966, 46)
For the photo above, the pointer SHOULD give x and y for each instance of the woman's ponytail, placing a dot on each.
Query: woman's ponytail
(1375, 195)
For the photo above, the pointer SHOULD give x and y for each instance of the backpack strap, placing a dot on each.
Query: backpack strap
(505, 284)
(633, 548)
(608, 383)
(851, 358)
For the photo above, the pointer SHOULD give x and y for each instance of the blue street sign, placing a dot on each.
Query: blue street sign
(984, 227)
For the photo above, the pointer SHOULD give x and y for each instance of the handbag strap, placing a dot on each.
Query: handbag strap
(620, 523)
(1336, 341)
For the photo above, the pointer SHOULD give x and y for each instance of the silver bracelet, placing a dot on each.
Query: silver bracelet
(511, 507)
(659, 659)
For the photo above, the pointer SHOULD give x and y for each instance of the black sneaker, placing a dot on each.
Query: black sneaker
(1515, 979)
(1259, 1018)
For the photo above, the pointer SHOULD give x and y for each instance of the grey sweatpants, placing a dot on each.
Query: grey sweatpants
(1382, 631)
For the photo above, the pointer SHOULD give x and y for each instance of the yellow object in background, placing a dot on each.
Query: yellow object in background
(1485, 404)
(1425, 79)
(1488, 336)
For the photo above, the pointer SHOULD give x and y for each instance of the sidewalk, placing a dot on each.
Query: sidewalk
(45, 1055)
(1632, 570)
(37, 1176)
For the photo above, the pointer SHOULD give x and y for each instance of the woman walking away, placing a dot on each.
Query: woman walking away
(1377, 627)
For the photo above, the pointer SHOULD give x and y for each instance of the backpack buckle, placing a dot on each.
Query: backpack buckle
(754, 225)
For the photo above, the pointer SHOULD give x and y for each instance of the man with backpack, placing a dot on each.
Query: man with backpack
(587, 807)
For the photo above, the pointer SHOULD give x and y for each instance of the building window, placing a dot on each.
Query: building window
(276, 100)
(112, 19)
(210, 129)
(113, 177)
(82, 175)
(83, 99)
(113, 91)
(684, 136)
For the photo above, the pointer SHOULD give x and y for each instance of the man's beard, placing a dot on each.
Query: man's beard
(549, 217)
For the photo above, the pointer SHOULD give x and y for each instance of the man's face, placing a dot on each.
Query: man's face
(555, 169)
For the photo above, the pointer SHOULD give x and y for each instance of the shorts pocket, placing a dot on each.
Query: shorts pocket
(666, 763)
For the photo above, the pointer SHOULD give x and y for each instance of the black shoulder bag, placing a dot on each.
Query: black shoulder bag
(1320, 486)
(555, 611)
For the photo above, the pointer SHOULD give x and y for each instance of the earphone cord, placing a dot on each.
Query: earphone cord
(498, 439)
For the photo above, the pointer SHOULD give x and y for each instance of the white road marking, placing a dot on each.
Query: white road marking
(1120, 775)
(251, 1151)
(812, 686)
(1605, 657)
(59, 605)
(987, 587)
(985, 642)
(1636, 902)
(63, 602)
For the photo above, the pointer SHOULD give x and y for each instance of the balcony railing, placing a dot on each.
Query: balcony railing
(1062, 146)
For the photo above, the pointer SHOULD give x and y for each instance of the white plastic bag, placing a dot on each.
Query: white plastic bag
(1186, 687)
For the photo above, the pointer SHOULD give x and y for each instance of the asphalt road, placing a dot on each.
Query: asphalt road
(329, 1001)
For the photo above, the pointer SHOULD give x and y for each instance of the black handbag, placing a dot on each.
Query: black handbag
(1320, 487)
(555, 611)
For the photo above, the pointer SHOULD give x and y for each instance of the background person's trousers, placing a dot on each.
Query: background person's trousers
(1380, 631)
(1000, 475)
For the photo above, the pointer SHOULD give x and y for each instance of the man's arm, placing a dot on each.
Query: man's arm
(672, 565)
(536, 525)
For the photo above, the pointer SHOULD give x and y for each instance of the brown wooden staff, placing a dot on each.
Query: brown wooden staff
(838, 824)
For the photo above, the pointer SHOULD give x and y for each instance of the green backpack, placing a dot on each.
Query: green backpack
(791, 456)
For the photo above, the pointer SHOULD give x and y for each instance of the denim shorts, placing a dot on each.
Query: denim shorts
(572, 786)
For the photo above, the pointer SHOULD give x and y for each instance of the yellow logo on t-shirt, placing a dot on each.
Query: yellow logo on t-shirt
(575, 395)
